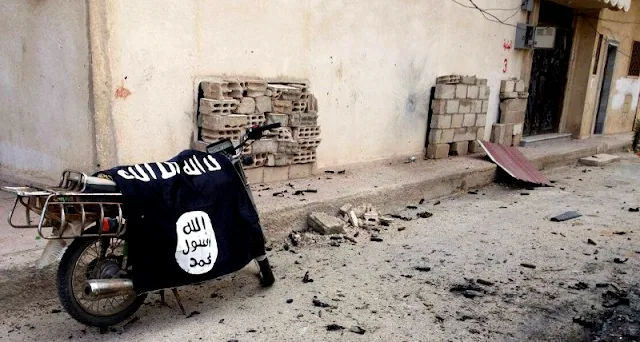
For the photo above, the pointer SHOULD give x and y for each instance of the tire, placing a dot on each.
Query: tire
(68, 298)
(266, 273)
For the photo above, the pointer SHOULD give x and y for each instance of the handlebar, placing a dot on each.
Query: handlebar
(256, 133)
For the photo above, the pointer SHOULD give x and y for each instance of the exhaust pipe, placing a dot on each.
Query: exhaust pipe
(105, 288)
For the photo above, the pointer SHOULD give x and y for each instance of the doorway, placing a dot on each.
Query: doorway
(549, 72)
(605, 89)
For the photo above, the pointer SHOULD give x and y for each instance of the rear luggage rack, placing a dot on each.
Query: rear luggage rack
(69, 210)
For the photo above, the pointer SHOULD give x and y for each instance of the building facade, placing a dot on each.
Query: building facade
(91, 84)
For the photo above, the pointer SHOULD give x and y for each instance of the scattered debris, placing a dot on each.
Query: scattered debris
(350, 239)
(371, 218)
(306, 278)
(353, 218)
(412, 207)
(358, 330)
(472, 192)
(620, 261)
(421, 201)
(484, 282)
(410, 159)
(424, 214)
(528, 265)
(615, 298)
(579, 286)
(320, 304)
(598, 160)
(600, 285)
(289, 301)
(437, 203)
(325, 224)
(334, 327)
(474, 331)
(295, 238)
(634, 210)
(468, 290)
(514, 163)
(53, 311)
(401, 228)
(566, 216)
(422, 268)
(375, 238)
(301, 192)
(584, 322)
(619, 233)
(345, 209)
(193, 313)
(401, 217)
(386, 221)
(329, 171)
(524, 194)
(591, 242)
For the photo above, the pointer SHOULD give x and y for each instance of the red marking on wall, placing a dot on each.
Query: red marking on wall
(122, 92)
(506, 65)
(506, 44)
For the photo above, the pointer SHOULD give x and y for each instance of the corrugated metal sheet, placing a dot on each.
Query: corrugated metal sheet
(514, 163)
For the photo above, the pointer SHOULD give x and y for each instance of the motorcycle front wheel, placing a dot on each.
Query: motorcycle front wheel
(94, 258)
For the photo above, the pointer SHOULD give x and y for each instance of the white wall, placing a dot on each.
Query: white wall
(370, 63)
(44, 88)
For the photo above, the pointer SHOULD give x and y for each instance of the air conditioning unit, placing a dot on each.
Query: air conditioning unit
(544, 38)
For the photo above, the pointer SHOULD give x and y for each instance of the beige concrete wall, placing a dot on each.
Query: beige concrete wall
(623, 100)
(44, 88)
(370, 63)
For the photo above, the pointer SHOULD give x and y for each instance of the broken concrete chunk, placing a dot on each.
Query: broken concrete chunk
(371, 217)
(353, 218)
(325, 224)
(385, 221)
(360, 210)
(599, 159)
(345, 209)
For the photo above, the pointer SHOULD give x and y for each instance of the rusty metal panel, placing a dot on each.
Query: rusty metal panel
(511, 160)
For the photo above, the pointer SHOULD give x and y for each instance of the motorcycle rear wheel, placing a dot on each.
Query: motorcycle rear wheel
(77, 265)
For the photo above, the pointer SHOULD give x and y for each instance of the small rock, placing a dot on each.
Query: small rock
(634, 210)
(472, 192)
(424, 214)
(295, 238)
(252, 330)
(334, 244)
(358, 330)
(591, 242)
(334, 327)
(524, 264)
(320, 304)
(600, 285)
(401, 228)
(306, 278)
(53, 311)
(484, 282)
(437, 203)
(289, 301)
(579, 286)
(376, 238)
(422, 268)
(524, 194)
(421, 201)
(620, 261)
(413, 207)
(385, 221)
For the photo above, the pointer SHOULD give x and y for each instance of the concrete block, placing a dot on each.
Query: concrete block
(481, 81)
(345, 209)
(259, 159)
(511, 117)
(445, 91)
(475, 147)
(265, 146)
(299, 106)
(476, 106)
(485, 106)
(480, 133)
(256, 119)
(215, 90)
(217, 135)
(457, 120)
(459, 148)
(453, 106)
(263, 104)
(520, 86)
(441, 121)
(481, 120)
(217, 107)
(303, 119)
(507, 95)
(447, 135)
(599, 159)
(312, 103)
(288, 147)
(484, 92)
(472, 92)
(297, 171)
(449, 79)
(497, 133)
(469, 120)
(283, 119)
(283, 107)
(235, 88)
(435, 136)
(465, 106)
(309, 144)
(304, 156)
(464, 134)
(437, 151)
(256, 85)
(247, 106)
(516, 139)
(513, 105)
(223, 122)
(508, 134)
(325, 224)
(523, 95)
(279, 159)
(517, 128)
(282, 134)
(255, 175)
(461, 91)
(306, 132)
(439, 106)
(470, 80)
(284, 92)
(507, 86)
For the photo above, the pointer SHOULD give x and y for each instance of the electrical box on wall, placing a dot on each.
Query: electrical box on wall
(527, 5)
(524, 36)
(545, 38)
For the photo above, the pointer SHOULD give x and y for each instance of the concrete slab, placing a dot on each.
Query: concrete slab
(599, 159)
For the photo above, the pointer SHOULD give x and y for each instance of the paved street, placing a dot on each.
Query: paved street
(417, 283)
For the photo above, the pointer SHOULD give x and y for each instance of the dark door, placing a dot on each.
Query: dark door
(549, 72)
(606, 88)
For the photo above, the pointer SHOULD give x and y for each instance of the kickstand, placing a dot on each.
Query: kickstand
(175, 293)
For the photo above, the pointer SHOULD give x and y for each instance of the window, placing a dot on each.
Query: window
(634, 63)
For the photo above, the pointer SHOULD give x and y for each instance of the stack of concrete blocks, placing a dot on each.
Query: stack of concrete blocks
(513, 106)
(459, 110)
(229, 106)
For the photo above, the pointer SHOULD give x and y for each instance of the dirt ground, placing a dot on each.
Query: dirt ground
(421, 283)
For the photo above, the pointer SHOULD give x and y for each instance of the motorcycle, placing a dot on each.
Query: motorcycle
(86, 228)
